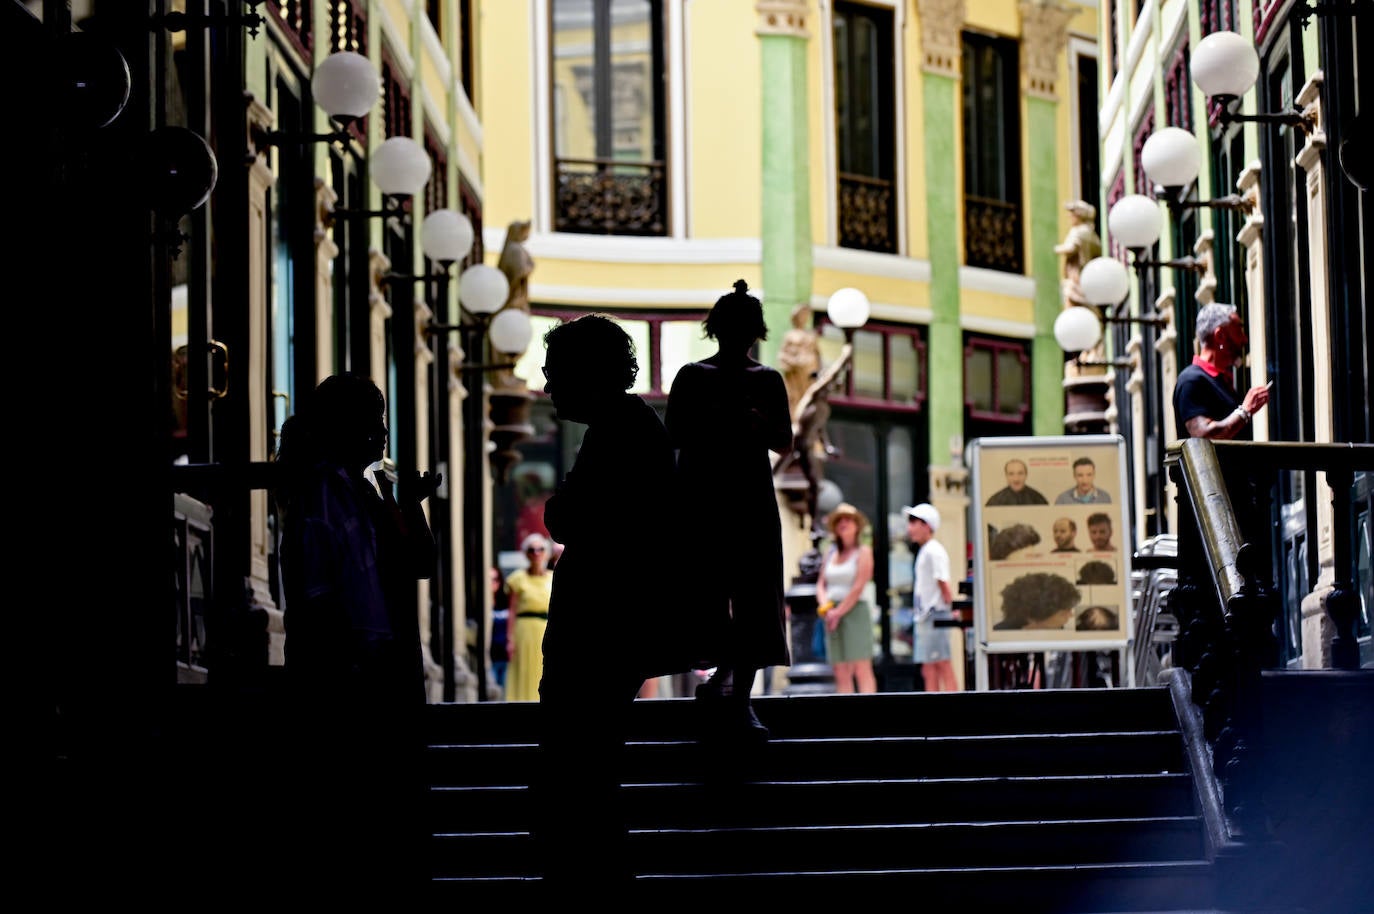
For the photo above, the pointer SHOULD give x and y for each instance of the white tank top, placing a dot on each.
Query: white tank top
(839, 576)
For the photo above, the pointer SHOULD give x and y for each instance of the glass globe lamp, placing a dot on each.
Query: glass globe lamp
(1134, 221)
(1077, 329)
(1170, 157)
(400, 167)
(483, 289)
(346, 85)
(1104, 281)
(1225, 64)
(446, 236)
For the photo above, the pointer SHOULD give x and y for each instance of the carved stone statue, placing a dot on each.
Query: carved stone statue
(1080, 245)
(517, 264)
(799, 357)
(811, 444)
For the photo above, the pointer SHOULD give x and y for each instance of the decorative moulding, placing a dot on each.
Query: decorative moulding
(941, 22)
(1044, 34)
(782, 17)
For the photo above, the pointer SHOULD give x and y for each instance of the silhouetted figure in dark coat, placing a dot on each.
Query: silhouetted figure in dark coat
(725, 413)
(351, 555)
(607, 627)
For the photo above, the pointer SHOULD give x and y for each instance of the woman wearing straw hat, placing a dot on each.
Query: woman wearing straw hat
(529, 591)
(849, 621)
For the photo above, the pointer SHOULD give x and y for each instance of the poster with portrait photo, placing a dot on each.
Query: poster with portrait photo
(1051, 542)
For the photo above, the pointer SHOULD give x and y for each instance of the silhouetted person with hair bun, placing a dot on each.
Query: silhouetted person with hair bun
(725, 413)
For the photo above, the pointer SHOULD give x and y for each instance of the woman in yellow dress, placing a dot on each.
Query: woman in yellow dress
(529, 592)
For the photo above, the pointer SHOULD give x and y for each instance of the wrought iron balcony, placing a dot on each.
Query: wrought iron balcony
(867, 215)
(992, 234)
(610, 197)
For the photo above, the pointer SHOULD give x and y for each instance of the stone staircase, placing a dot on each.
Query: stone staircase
(1066, 801)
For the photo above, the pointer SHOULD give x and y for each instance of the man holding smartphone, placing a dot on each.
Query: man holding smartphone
(1205, 401)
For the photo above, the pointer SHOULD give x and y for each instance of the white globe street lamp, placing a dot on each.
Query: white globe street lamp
(483, 289)
(346, 85)
(510, 332)
(1077, 329)
(446, 236)
(1134, 221)
(1104, 281)
(848, 309)
(1171, 158)
(1224, 64)
(400, 167)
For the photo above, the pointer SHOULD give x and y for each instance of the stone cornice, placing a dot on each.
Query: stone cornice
(941, 22)
(1044, 34)
(781, 17)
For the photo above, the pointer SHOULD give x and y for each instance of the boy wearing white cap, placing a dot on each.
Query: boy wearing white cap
(932, 592)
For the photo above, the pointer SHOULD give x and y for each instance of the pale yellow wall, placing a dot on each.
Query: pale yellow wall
(724, 135)
(976, 303)
(433, 83)
(505, 94)
(593, 274)
(877, 288)
(913, 124)
(999, 17)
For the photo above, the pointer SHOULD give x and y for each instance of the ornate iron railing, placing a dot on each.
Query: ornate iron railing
(1226, 602)
(992, 234)
(610, 197)
(867, 214)
(297, 20)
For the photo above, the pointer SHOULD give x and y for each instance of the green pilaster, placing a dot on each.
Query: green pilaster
(786, 222)
(1047, 359)
(946, 349)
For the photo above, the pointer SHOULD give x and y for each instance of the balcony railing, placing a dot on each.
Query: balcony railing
(992, 234)
(610, 197)
(867, 214)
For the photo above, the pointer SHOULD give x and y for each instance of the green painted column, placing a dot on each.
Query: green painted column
(946, 345)
(786, 222)
(1047, 359)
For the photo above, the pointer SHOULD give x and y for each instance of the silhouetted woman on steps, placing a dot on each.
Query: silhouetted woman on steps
(725, 413)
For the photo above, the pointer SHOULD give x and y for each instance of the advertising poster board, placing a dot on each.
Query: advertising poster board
(1051, 536)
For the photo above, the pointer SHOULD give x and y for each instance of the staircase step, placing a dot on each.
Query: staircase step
(1130, 752)
(887, 714)
(687, 851)
(866, 801)
(1073, 889)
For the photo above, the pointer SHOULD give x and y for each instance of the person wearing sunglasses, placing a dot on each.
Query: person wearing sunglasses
(529, 591)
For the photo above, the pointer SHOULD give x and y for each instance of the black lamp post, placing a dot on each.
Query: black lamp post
(485, 327)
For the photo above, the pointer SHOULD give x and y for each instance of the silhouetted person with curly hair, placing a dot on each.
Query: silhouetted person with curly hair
(606, 631)
(1037, 601)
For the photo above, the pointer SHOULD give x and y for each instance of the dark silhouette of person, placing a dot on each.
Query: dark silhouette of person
(1016, 492)
(351, 554)
(607, 627)
(1037, 601)
(725, 413)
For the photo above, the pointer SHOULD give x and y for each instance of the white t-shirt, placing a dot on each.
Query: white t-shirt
(932, 566)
